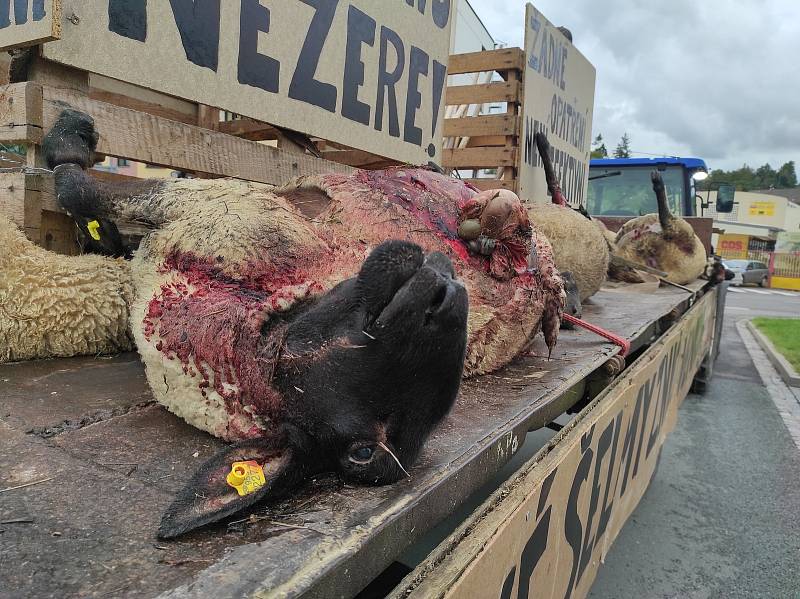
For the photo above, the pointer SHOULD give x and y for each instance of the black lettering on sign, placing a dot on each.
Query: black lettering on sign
(304, 86)
(666, 377)
(588, 541)
(647, 394)
(605, 511)
(532, 553)
(573, 529)
(439, 76)
(630, 443)
(417, 65)
(537, 543)
(128, 18)
(508, 584)
(360, 30)
(545, 492)
(20, 12)
(387, 81)
(198, 25)
(256, 69)
(440, 10)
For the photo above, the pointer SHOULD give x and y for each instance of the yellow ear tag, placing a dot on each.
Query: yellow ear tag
(246, 477)
(93, 225)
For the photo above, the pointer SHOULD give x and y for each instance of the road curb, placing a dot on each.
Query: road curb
(781, 364)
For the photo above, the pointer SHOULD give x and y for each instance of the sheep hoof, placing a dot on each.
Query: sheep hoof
(72, 139)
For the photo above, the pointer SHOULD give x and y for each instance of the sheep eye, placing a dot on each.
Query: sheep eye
(362, 455)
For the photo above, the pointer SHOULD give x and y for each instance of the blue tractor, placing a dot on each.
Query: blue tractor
(621, 187)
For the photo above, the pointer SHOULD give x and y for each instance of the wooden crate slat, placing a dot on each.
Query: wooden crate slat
(479, 157)
(139, 136)
(21, 113)
(248, 129)
(504, 59)
(135, 104)
(358, 159)
(484, 184)
(478, 141)
(483, 93)
(494, 124)
(12, 197)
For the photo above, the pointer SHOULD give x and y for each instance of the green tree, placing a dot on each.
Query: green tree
(765, 177)
(748, 179)
(786, 176)
(623, 147)
(599, 148)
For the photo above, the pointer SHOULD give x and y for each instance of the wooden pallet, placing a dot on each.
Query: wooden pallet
(475, 141)
(145, 126)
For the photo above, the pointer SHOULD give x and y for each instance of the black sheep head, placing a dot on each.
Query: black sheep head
(366, 373)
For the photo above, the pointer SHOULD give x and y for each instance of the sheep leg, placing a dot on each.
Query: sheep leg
(69, 150)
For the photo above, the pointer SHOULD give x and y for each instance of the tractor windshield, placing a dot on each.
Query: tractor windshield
(628, 191)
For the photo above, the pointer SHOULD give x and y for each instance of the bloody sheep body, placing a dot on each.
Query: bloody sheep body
(225, 256)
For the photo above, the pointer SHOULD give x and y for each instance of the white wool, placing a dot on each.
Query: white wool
(58, 306)
(579, 245)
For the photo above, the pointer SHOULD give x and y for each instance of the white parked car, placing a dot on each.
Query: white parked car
(747, 272)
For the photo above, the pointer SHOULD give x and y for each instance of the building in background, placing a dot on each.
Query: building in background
(468, 33)
(759, 215)
(131, 168)
(764, 226)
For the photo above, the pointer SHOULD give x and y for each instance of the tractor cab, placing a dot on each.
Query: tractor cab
(621, 187)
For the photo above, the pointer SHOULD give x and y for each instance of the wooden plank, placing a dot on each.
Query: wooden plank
(493, 124)
(57, 75)
(248, 129)
(358, 159)
(503, 59)
(59, 233)
(132, 96)
(139, 136)
(487, 183)
(142, 106)
(5, 63)
(479, 157)
(21, 113)
(12, 197)
(483, 93)
(480, 141)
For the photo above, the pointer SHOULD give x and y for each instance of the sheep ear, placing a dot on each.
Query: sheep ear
(209, 497)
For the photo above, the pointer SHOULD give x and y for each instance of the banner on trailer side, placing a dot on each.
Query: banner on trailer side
(28, 22)
(559, 100)
(368, 74)
(545, 533)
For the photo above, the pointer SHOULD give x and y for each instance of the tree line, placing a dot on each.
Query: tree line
(745, 178)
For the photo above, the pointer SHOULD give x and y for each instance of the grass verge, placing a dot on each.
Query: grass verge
(785, 336)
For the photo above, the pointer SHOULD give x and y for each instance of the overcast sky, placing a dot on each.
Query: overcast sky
(718, 79)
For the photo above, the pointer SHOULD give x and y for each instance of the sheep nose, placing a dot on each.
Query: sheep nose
(440, 264)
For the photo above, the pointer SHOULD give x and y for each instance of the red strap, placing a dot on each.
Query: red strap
(615, 339)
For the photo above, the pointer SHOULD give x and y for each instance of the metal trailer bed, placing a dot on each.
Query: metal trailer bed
(105, 461)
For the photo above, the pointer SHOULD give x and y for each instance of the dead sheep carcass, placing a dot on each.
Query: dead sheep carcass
(662, 241)
(579, 246)
(282, 319)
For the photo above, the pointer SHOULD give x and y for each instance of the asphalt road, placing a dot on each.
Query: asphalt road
(721, 518)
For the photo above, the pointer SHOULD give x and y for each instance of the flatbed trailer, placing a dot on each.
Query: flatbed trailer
(89, 462)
